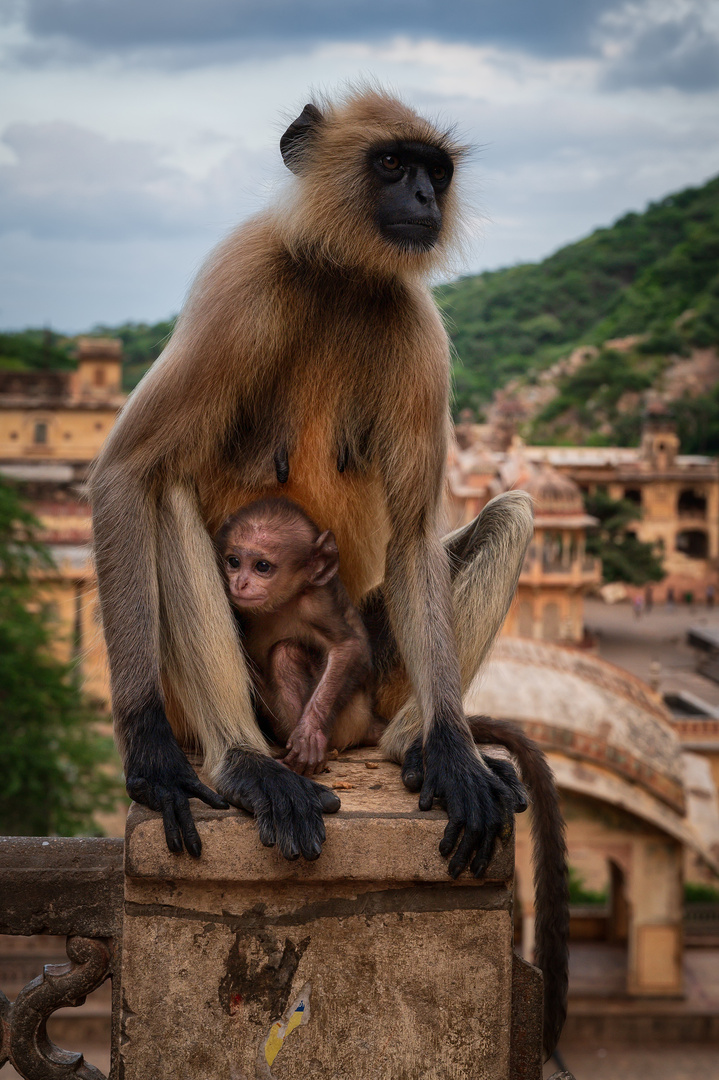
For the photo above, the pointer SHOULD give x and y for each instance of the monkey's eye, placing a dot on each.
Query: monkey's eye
(439, 172)
(262, 566)
(233, 561)
(390, 161)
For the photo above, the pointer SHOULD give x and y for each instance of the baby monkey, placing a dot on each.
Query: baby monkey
(309, 652)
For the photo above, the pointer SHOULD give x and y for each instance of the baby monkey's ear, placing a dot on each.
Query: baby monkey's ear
(324, 560)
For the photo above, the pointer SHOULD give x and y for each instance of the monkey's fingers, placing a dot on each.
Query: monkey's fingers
(506, 774)
(473, 840)
(197, 790)
(328, 800)
(253, 801)
(183, 816)
(480, 862)
(413, 766)
(173, 836)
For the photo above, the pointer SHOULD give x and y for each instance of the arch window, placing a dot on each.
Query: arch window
(693, 543)
(692, 503)
(633, 495)
(40, 433)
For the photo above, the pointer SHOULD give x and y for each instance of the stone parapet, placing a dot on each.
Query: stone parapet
(368, 964)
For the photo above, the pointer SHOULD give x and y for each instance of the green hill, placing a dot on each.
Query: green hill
(636, 277)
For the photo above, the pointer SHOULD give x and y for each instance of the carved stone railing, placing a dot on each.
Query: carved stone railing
(72, 888)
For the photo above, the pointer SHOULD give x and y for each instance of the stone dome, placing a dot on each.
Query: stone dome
(606, 733)
(552, 492)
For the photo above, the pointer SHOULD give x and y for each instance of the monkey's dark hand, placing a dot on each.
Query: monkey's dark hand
(288, 807)
(166, 789)
(480, 795)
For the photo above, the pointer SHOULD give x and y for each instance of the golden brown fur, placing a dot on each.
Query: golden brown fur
(307, 334)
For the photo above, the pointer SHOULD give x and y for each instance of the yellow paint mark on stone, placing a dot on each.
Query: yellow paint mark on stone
(297, 1015)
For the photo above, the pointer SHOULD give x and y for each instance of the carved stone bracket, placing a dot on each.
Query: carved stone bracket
(23, 1035)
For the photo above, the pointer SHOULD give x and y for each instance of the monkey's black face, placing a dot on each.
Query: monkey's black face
(411, 179)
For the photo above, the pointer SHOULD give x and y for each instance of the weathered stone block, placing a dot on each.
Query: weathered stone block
(369, 963)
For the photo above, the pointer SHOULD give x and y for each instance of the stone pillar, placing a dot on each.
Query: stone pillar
(654, 962)
(368, 964)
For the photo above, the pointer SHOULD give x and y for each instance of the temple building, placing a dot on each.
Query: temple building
(557, 571)
(678, 495)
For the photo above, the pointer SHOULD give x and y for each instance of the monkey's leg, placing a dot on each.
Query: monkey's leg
(202, 659)
(485, 559)
(288, 686)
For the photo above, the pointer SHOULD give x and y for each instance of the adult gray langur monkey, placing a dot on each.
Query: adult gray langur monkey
(309, 361)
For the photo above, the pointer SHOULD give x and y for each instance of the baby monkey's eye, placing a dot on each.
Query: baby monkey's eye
(233, 561)
(262, 566)
(390, 161)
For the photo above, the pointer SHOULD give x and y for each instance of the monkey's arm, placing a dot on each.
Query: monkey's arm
(446, 761)
(307, 745)
(157, 772)
(550, 867)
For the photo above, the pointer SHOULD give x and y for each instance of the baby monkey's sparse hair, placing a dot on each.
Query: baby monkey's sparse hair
(309, 649)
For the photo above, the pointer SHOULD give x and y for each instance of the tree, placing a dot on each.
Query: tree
(58, 770)
(624, 557)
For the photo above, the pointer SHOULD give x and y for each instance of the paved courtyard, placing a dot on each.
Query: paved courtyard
(658, 635)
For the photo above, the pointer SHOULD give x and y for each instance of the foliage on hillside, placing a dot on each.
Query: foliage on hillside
(40, 350)
(637, 277)
(54, 761)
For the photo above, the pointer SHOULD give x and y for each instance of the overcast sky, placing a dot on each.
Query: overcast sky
(135, 133)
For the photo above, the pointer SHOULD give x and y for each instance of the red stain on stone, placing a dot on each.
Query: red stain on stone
(235, 1003)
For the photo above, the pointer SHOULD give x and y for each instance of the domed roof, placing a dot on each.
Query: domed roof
(606, 734)
(552, 492)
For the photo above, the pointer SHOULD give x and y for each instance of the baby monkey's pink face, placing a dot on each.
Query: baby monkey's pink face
(266, 567)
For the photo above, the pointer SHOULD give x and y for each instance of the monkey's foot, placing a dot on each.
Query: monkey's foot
(481, 796)
(288, 807)
(306, 750)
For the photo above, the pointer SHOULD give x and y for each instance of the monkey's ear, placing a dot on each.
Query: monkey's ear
(325, 559)
(298, 135)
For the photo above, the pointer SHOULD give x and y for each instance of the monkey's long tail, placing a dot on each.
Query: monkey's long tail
(550, 867)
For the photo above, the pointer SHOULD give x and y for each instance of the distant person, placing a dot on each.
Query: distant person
(670, 598)
(638, 604)
(648, 599)
(710, 596)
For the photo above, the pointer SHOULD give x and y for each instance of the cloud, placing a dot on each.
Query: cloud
(655, 45)
(547, 27)
(67, 182)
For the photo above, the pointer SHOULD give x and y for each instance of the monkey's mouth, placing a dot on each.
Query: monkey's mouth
(421, 233)
(249, 601)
